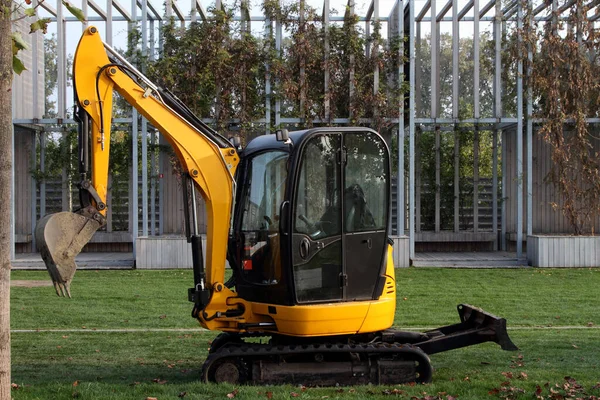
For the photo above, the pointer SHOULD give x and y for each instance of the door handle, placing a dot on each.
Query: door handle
(304, 248)
(369, 243)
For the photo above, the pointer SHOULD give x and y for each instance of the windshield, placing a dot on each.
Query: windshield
(265, 190)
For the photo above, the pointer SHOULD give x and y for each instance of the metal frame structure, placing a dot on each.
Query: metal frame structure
(406, 20)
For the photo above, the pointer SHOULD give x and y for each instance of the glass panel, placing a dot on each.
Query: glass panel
(365, 194)
(317, 243)
(261, 261)
(317, 201)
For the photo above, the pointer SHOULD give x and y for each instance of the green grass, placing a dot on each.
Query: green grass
(166, 364)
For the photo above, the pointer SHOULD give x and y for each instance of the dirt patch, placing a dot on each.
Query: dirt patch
(27, 283)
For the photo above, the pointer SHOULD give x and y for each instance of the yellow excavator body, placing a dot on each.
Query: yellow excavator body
(302, 218)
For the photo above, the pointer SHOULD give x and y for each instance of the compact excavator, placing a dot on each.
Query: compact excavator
(302, 219)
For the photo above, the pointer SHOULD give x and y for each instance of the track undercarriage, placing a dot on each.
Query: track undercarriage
(388, 357)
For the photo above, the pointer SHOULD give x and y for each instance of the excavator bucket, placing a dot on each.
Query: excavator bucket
(61, 237)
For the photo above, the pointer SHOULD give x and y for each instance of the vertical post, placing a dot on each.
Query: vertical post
(438, 199)
(519, 135)
(411, 146)
(400, 207)
(302, 32)
(476, 112)
(434, 62)
(65, 184)
(84, 10)
(326, 50)
(495, 187)
(109, 200)
(268, 36)
(351, 62)
(530, 136)
(153, 175)
(61, 64)
(193, 15)
(375, 53)
(153, 133)
(278, 38)
(455, 113)
(109, 18)
(134, 153)
(504, 160)
(42, 170)
(33, 189)
(456, 180)
(144, 124)
(498, 114)
(476, 180)
(455, 70)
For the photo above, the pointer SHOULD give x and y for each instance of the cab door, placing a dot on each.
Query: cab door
(340, 216)
(316, 245)
(365, 216)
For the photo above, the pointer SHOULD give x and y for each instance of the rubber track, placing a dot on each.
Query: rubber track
(256, 350)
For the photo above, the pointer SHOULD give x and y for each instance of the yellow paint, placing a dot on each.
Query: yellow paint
(212, 169)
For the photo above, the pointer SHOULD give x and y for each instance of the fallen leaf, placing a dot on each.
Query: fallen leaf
(15, 386)
(75, 395)
(159, 381)
(65, 336)
(76, 383)
(494, 391)
(231, 395)
(181, 394)
(575, 346)
(508, 375)
(151, 398)
(269, 395)
(294, 394)
(163, 316)
(523, 375)
(590, 324)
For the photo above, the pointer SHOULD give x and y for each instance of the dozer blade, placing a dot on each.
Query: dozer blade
(476, 326)
(61, 237)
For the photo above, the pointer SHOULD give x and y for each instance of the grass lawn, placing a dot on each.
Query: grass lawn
(553, 316)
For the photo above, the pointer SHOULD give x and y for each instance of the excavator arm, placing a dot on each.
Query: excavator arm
(207, 158)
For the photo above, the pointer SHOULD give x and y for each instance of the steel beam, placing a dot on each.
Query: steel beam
(444, 11)
(519, 137)
(400, 201)
(476, 113)
(411, 146)
(465, 10)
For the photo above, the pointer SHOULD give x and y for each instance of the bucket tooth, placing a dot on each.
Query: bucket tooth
(61, 237)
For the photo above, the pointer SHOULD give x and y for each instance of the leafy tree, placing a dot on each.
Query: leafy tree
(565, 80)
(10, 44)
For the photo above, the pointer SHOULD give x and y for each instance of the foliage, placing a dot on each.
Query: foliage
(214, 68)
(23, 10)
(565, 80)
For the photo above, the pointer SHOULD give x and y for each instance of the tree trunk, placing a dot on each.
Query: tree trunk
(5, 193)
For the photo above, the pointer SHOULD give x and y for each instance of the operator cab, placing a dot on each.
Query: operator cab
(311, 217)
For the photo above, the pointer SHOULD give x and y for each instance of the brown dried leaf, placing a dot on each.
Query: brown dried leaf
(294, 394)
(508, 375)
(523, 375)
(231, 395)
(15, 386)
(76, 383)
(181, 394)
(269, 395)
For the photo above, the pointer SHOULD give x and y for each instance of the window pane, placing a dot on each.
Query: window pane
(365, 189)
(317, 202)
(261, 260)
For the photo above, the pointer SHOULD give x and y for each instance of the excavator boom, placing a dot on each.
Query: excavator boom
(208, 159)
